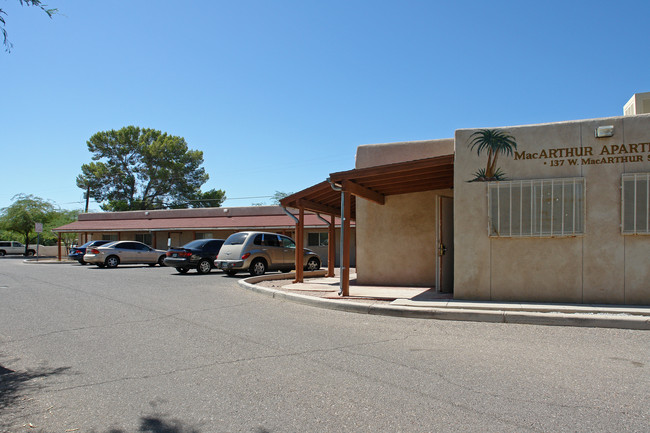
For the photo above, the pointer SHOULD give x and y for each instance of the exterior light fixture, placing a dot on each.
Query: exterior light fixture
(604, 131)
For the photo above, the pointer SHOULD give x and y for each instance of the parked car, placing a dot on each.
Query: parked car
(258, 252)
(77, 252)
(13, 247)
(125, 252)
(199, 254)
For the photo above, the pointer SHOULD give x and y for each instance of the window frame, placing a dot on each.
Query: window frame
(645, 177)
(540, 213)
(320, 239)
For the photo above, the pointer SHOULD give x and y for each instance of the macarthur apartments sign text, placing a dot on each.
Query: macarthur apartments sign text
(608, 154)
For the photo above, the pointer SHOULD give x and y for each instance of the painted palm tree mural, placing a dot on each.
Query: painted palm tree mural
(495, 142)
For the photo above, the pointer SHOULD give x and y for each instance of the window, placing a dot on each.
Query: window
(287, 242)
(317, 239)
(112, 237)
(203, 235)
(636, 204)
(271, 240)
(145, 238)
(238, 239)
(539, 207)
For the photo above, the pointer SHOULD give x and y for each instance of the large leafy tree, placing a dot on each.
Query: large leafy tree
(494, 142)
(3, 14)
(22, 215)
(59, 218)
(135, 168)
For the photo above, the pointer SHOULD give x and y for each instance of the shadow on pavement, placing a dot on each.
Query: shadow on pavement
(15, 386)
(159, 424)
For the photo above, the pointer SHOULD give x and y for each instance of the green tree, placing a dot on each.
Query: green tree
(279, 195)
(22, 215)
(495, 142)
(59, 218)
(135, 168)
(37, 3)
(210, 198)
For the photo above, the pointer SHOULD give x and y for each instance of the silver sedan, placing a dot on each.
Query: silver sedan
(124, 252)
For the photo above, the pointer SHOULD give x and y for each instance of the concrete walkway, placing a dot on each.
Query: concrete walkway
(320, 291)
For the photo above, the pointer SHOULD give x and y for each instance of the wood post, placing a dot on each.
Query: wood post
(300, 246)
(331, 247)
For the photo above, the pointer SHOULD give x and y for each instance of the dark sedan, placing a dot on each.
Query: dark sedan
(77, 253)
(199, 254)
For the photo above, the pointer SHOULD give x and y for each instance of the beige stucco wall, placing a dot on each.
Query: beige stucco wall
(601, 266)
(370, 155)
(397, 241)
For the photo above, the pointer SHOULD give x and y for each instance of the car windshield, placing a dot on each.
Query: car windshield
(236, 239)
(195, 244)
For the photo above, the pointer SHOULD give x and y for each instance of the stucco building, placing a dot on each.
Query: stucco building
(560, 213)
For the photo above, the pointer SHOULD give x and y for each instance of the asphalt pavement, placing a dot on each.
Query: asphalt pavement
(141, 348)
(320, 291)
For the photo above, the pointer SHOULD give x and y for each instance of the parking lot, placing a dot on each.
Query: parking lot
(140, 348)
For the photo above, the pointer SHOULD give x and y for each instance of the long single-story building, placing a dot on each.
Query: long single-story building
(556, 212)
(176, 227)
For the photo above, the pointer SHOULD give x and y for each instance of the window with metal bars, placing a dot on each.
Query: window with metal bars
(536, 208)
(635, 207)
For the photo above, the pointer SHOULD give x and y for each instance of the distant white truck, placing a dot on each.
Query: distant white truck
(13, 247)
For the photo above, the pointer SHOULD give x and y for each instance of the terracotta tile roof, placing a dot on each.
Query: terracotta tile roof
(192, 219)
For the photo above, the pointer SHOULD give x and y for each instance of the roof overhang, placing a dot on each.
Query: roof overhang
(256, 222)
(375, 184)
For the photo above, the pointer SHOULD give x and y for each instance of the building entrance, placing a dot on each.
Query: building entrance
(446, 245)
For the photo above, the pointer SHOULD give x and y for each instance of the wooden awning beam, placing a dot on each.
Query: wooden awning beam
(363, 192)
(316, 207)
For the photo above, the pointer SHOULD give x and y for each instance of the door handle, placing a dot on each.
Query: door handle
(442, 250)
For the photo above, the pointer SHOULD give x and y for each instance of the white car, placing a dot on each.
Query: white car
(124, 252)
(13, 247)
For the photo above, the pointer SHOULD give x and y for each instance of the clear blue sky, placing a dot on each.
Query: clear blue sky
(278, 94)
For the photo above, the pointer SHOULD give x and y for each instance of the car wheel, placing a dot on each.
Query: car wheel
(2, 253)
(30, 253)
(81, 262)
(312, 264)
(112, 261)
(204, 267)
(161, 261)
(182, 270)
(231, 273)
(257, 268)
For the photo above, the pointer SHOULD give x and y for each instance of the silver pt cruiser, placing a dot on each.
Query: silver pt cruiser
(258, 252)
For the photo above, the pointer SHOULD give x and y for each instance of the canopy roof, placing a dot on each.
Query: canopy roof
(375, 183)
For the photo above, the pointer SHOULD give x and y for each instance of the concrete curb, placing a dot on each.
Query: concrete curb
(467, 314)
(48, 261)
